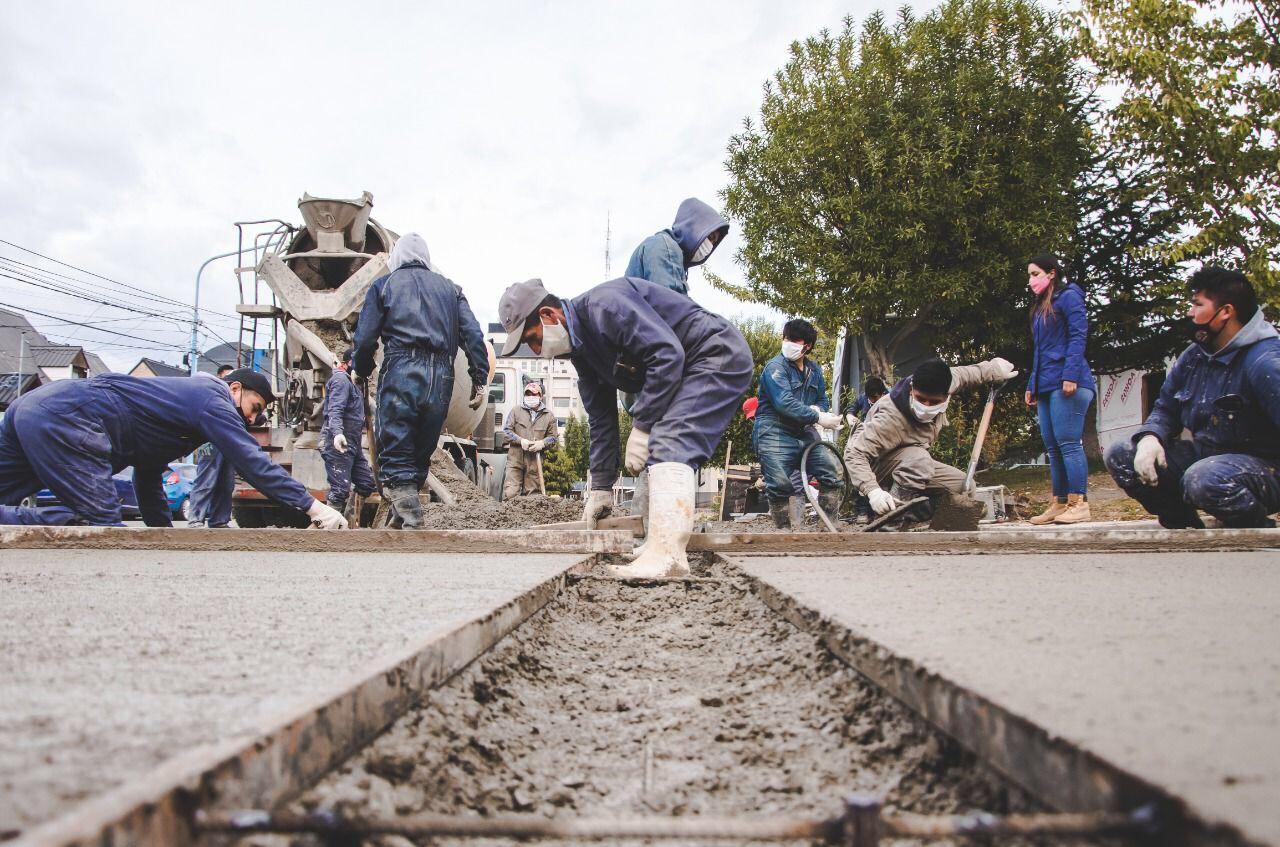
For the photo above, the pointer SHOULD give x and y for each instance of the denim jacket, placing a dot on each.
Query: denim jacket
(786, 393)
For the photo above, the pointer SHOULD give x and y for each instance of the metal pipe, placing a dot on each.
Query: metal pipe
(193, 355)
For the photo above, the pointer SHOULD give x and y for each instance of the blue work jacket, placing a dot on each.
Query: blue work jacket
(786, 393)
(1060, 344)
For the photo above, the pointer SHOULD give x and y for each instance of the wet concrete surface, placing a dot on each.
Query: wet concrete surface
(112, 661)
(660, 699)
(1163, 664)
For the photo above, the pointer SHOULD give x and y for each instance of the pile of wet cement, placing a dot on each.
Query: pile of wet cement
(737, 711)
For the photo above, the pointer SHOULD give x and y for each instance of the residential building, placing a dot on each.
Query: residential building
(153, 367)
(60, 361)
(28, 359)
(14, 384)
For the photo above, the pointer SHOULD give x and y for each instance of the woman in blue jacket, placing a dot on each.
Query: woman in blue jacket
(1061, 386)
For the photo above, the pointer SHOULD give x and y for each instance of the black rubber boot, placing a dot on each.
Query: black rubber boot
(921, 514)
(829, 499)
(795, 510)
(406, 505)
(778, 511)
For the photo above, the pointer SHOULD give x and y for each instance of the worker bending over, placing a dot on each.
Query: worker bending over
(665, 257)
(891, 450)
(342, 438)
(688, 369)
(530, 429)
(793, 405)
(72, 435)
(1225, 391)
(421, 318)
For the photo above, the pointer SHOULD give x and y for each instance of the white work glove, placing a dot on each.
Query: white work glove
(1148, 457)
(599, 505)
(477, 396)
(536, 445)
(524, 444)
(324, 516)
(829, 420)
(1004, 369)
(637, 451)
(340, 443)
(882, 501)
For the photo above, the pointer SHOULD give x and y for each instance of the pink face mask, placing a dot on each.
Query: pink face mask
(1039, 284)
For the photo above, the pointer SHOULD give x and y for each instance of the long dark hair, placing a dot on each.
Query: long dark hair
(1044, 303)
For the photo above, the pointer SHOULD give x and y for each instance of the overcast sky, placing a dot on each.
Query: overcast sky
(133, 135)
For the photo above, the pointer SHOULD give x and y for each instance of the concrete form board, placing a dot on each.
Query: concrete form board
(1161, 667)
(256, 674)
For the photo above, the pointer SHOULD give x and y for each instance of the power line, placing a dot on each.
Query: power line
(142, 291)
(95, 329)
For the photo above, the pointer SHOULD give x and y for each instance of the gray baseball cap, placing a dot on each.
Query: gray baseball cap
(518, 302)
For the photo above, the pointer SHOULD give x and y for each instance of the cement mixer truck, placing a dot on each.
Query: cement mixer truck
(309, 283)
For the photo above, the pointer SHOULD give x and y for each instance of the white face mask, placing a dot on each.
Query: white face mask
(555, 340)
(703, 251)
(531, 401)
(926, 414)
(792, 351)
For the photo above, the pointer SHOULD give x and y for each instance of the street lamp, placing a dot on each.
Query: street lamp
(192, 354)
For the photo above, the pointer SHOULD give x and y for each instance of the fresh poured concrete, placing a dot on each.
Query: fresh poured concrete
(1164, 664)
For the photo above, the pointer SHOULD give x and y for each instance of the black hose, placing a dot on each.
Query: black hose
(828, 520)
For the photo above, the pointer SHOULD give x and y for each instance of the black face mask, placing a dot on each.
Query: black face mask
(1202, 334)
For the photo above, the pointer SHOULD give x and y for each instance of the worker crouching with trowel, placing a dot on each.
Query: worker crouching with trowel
(421, 318)
(891, 450)
(688, 369)
(530, 429)
(73, 435)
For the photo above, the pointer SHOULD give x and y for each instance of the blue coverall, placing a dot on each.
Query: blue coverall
(214, 489)
(422, 318)
(1230, 402)
(784, 427)
(687, 367)
(72, 435)
(665, 256)
(344, 413)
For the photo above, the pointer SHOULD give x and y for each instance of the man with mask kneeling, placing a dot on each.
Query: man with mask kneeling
(891, 451)
(74, 434)
(688, 369)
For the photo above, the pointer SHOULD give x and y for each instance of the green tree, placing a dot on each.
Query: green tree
(899, 175)
(576, 444)
(1199, 111)
(558, 472)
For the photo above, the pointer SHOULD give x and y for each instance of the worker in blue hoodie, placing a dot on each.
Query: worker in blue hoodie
(72, 435)
(688, 369)
(1225, 390)
(793, 402)
(422, 319)
(665, 257)
(342, 436)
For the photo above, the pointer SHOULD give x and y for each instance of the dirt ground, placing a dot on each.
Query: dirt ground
(668, 699)
(1032, 492)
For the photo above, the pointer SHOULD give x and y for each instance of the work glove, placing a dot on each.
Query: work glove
(882, 501)
(1004, 369)
(324, 516)
(477, 395)
(829, 420)
(340, 443)
(525, 445)
(536, 446)
(599, 505)
(637, 451)
(1147, 458)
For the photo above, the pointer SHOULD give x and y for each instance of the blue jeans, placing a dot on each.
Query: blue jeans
(779, 452)
(1238, 489)
(413, 401)
(1062, 429)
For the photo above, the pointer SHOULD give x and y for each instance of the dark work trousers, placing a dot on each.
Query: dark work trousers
(210, 501)
(342, 469)
(1238, 489)
(45, 442)
(413, 401)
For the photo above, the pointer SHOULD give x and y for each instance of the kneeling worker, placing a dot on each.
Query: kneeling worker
(74, 434)
(892, 448)
(688, 369)
(1225, 390)
(793, 400)
(530, 429)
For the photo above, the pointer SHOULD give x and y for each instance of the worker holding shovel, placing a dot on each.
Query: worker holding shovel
(888, 459)
(530, 429)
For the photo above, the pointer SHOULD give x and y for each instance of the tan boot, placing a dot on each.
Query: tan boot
(1056, 507)
(1077, 510)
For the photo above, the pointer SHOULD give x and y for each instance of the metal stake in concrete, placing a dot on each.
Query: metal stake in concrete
(862, 825)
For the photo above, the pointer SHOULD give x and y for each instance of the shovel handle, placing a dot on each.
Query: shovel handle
(983, 425)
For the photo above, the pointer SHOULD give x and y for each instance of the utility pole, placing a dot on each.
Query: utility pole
(608, 232)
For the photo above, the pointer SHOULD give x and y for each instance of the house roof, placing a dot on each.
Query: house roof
(58, 356)
(159, 368)
(96, 365)
(11, 385)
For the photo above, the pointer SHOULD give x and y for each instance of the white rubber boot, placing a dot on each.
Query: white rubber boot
(671, 499)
